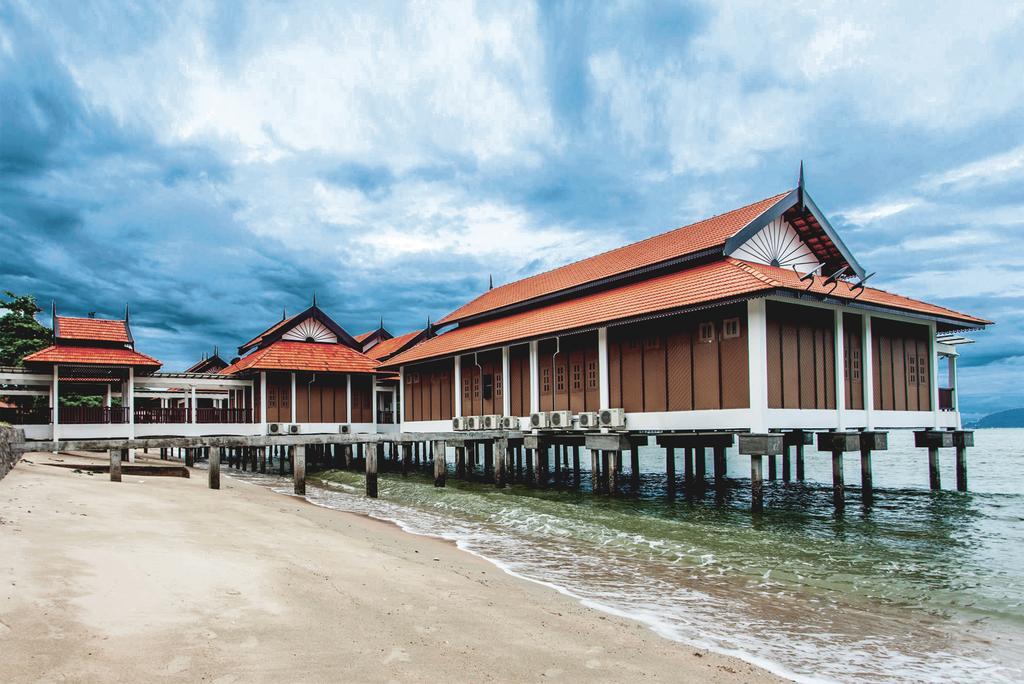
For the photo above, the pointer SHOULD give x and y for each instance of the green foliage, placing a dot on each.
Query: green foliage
(20, 332)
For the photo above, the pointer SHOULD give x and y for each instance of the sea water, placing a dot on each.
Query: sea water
(922, 586)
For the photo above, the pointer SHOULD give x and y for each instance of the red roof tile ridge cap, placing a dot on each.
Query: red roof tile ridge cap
(749, 269)
(773, 198)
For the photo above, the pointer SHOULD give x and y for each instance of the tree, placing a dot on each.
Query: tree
(20, 332)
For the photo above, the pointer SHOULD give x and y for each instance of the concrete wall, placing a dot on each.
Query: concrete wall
(8, 457)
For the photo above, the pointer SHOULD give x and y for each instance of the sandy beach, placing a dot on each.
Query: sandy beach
(163, 579)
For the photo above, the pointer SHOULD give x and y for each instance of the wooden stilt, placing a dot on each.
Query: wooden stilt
(961, 468)
(557, 448)
(440, 464)
(614, 458)
(787, 454)
(214, 469)
(517, 476)
(866, 484)
(756, 484)
(115, 465)
(280, 459)
(263, 458)
(500, 462)
(299, 468)
(371, 472)
(772, 468)
(934, 478)
(838, 485)
(605, 472)
(800, 462)
(489, 473)
(670, 472)
(595, 471)
(700, 466)
(460, 462)
(688, 467)
(576, 465)
(190, 458)
(406, 458)
(720, 467)
(634, 466)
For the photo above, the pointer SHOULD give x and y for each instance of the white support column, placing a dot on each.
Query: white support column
(506, 393)
(867, 372)
(534, 378)
(458, 386)
(263, 402)
(757, 354)
(106, 399)
(130, 403)
(840, 374)
(400, 409)
(192, 401)
(55, 402)
(603, 383)
(348, 397)
(933, 369)
(951, 381)
(293, 399)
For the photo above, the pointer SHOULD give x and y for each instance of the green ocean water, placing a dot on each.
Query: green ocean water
(920, 587)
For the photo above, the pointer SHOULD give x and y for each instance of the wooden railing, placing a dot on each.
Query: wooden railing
(25, 416)
(92, 415)
(161, 415)
(946, 402)
(223, 415)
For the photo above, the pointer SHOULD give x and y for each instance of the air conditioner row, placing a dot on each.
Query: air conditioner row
(490, 422)
(590, 420)
(294, 429)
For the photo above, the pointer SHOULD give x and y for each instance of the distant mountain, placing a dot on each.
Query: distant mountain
(1002, 419)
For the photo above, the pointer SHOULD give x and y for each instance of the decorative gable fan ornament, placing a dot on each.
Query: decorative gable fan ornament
(310, 330)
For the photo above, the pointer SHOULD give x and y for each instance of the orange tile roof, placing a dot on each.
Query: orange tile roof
(706, 234)
(721, 280)
(365, 336)
(788, 279)
(92, 356)
(705, 283)
(266, 332)
(98, 329)
(391, 346)
(304, 356)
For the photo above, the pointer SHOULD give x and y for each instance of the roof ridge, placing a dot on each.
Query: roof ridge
(747, 268)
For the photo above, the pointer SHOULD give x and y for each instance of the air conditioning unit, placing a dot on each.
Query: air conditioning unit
(277, 428)
(458, 423)
(510, 423)
(561, 419)
(540, 420)
(492, 422)
(613, 418)
(293, 429)
(345, 428)
(475, 423)
(588, 420)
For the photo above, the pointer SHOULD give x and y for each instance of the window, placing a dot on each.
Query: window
(497, 384)
(855, 365)
(408, 378)
(476, 386)
(577, 376)
(415, 378)
(592, 375)
(488, 386)
(545, 379)
(652, 342)
(466, 384)
(922, 370)
(271, 397)
(560, 379)
(730, 328)
(911, 369)
(706, 332)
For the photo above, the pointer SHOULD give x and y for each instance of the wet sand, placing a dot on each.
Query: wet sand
(163, 579)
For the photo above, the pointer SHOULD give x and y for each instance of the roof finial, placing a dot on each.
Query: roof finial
(381, 322)
(126, 314)
(53, 317)
(490, 281)
(314, 297)
(800, 184)
(284, 313)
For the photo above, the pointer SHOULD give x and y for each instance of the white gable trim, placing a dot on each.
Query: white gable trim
(778, 244)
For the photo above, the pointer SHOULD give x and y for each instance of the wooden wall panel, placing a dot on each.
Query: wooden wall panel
(362, 410)
(519, 382)
(773, 344)
(632, 375)
(614, 374)
(655, 372)
(802, 362)
(885, 367)
(679, 361)
(591, 380)
(924, 376)
(577, 381)
(903, 366)
(899, 374)
(706, 372)
(734, 377)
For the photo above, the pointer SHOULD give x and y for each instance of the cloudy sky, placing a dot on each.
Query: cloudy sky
(215, 163)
